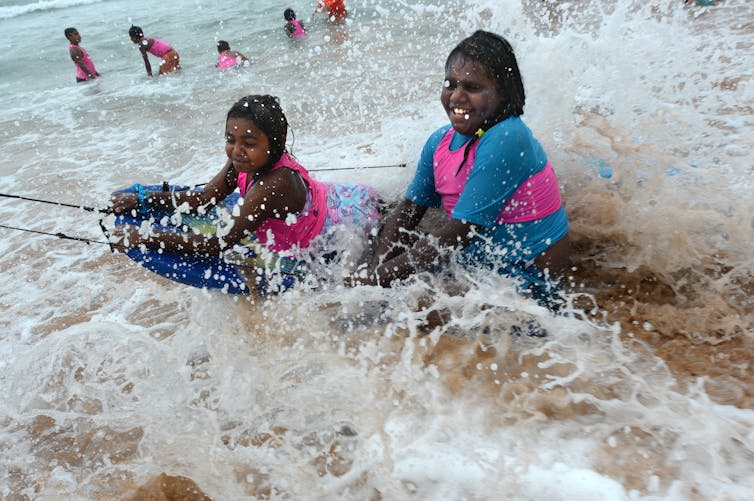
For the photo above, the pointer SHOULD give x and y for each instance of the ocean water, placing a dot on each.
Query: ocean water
(118, 384)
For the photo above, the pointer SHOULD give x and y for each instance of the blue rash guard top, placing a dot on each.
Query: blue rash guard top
(506, 157)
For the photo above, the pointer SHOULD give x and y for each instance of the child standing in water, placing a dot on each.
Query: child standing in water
(85, 69)
(282, 205)
(293, 27)
(489, 174)
(170, 60)
(228, 58)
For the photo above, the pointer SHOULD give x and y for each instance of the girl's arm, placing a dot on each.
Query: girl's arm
(423, 252)
(404, 218)
(214, 192)
(146, 62)
(279, 194)
(144, 45)
(238, 54)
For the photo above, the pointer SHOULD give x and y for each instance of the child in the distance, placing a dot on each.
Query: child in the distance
(281, 205)
(85, 69)
(170, 59)
(293, 27)
(228, 58)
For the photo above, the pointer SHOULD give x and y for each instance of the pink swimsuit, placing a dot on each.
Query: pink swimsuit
(283, 234)
(158, 48)
(80, 75)
(535, 198)
(299, 32)
(226, 61)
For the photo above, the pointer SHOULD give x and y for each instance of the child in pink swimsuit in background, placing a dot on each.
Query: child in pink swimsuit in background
(228, 58)
(293, 27)
(170, 60)
(85, 69)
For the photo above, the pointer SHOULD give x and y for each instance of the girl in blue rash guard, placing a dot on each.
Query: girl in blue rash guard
(491, 177)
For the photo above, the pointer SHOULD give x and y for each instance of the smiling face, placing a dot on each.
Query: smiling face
(470, 97)
(246, 146)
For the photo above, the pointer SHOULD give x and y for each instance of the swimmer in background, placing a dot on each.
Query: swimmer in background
(170, 60)
(229, 58)
(85, 69)
(336, 10)
(293, 27)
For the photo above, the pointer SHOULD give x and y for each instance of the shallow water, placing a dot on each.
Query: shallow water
(110, 376)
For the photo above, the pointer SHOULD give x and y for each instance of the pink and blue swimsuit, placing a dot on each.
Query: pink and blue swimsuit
(506, 188)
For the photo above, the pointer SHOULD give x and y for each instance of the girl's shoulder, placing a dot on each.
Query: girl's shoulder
(510, 139)
(280, 188)
(280, 179)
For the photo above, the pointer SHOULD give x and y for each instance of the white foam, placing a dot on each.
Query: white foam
(656, 95)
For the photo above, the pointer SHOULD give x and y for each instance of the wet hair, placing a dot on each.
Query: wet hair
(265, 113)
(69, 31)
(288, 14)
(222, 46)
(135, 31)
(495, 55)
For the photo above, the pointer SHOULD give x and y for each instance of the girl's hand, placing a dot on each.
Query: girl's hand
(122, 203)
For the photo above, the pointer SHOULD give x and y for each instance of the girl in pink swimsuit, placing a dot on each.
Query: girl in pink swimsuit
(293, 27)
(228, 58)
(492, 178)
(85, 69)
(282, 207)
(170, 59)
